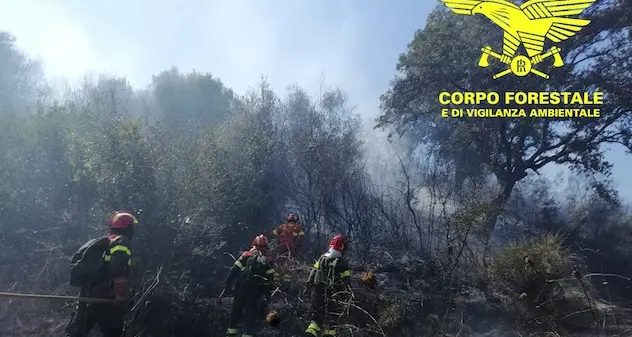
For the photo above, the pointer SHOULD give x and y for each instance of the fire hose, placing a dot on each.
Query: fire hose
(57, 297)
(78, 298)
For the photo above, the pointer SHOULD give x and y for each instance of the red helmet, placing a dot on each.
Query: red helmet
(260, 241)
(292, 217)
(338, 243)
(122, 220)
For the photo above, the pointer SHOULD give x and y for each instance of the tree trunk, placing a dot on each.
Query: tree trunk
(497, 208)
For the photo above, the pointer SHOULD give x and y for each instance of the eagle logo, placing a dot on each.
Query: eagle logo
(530, 24)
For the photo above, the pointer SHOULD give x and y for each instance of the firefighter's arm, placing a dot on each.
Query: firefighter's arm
(271, 276)
(345, 272)
(299, 234)
(312, 273)
(235, 269)
(275, 231)
(120, 262)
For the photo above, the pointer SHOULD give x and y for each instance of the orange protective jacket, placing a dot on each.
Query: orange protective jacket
(289, 235)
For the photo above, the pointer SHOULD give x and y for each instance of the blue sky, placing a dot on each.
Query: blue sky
(354, 44)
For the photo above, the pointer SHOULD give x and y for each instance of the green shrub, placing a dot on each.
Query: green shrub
(522, 264)
(537, 272)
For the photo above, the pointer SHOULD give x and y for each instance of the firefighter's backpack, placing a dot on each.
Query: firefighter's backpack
(88, 262)
(255, 270)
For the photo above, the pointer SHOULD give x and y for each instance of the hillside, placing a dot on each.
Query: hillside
(464, 234)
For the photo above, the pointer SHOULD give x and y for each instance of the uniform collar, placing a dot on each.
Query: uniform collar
(332, 253)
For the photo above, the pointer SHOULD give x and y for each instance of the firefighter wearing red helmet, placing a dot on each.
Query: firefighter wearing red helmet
(290, 236)
(101, 269)
(327, 281)
(250, 280)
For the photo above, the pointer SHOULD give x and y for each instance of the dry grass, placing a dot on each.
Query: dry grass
(538, 273)
(521, 264)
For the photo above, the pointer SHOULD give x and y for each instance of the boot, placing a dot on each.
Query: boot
(329, 333)
(312, 330)
(287, 279)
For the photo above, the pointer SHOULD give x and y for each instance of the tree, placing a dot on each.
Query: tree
(190, 101)
(180, 107)
(325, 172)
(21, 84)
(227, 188)
(442, 57)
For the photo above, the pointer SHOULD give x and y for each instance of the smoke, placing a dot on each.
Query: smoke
(383, 153)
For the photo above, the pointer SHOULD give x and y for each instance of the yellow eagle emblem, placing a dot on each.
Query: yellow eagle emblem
(530, 24)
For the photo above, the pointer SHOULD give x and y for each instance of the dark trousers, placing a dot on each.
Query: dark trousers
(325, 310)
(110, 319)
(318, 301)
(246, 309)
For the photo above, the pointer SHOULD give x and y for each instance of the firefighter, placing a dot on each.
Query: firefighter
(327, 280)
(250, 279)
(290, 239)
(109, 280)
